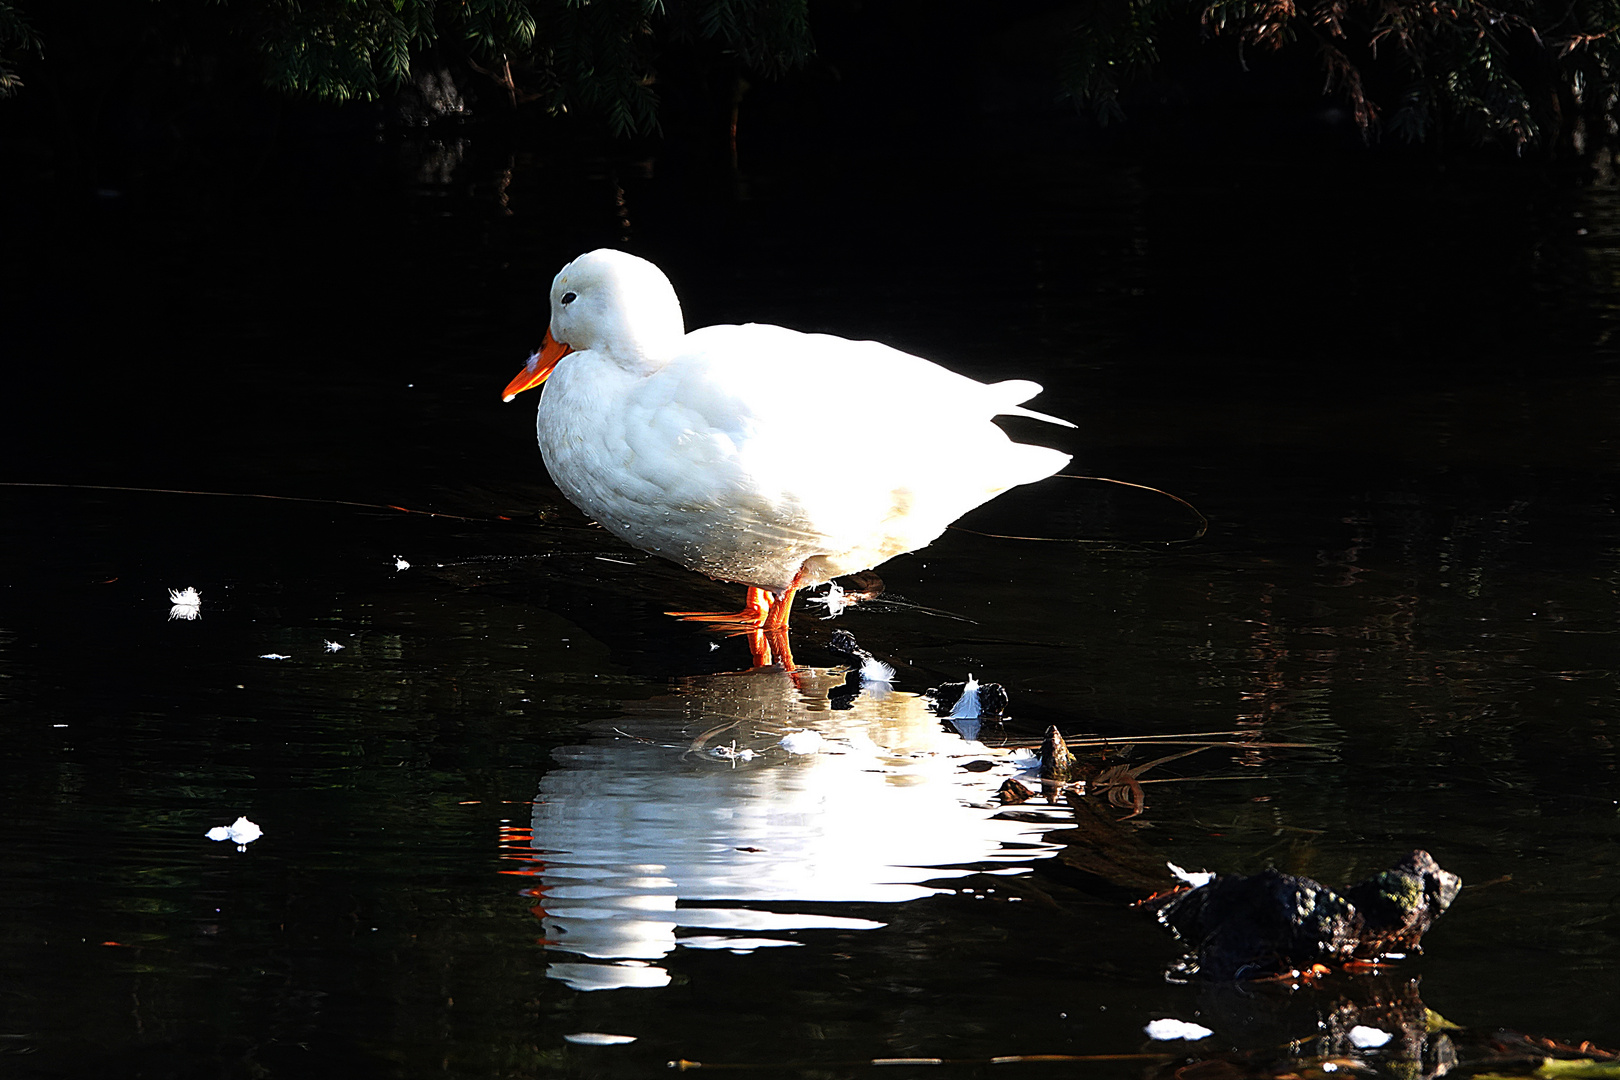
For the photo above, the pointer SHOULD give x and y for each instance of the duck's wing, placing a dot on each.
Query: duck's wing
(853, 430)
(773, 363)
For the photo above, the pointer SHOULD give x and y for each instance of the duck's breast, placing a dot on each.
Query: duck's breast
(659, 461)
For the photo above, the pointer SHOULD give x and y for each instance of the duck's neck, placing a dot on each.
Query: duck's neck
(648, 328)
(642, 352)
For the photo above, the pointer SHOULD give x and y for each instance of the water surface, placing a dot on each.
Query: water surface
(486, 825)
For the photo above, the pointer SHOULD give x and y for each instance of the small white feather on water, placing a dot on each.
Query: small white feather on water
(1195, 878)
(597, 1038)
(875, 672)
(967, 706)
(834, 599)
(1176, 1029)
(242, 832)
(1363, 1037)
(187, 603)
(801, 742)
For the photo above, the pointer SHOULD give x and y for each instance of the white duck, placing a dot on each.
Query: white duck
(725, 449)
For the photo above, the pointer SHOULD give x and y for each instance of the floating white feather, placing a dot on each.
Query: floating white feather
(242, 832)
(834, 599)
(1176, 1029)
(187, 604)
(801, 742)
(875, 672)
(1363, 1037)
(967, 706)
(1195, 878)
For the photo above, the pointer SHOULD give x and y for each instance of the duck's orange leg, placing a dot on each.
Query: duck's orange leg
(764, 621)
(768, 643)
(754, 613)
(776, 616)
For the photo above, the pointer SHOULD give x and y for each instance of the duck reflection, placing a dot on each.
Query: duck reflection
(686, 822)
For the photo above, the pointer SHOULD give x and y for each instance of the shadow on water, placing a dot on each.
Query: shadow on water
(485, 806)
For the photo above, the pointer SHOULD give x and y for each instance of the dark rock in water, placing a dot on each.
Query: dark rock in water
(1268, 922)
(1271, 922)
(1400, 904)
(1057, 763)
(1014, 792)
(842, 644)
(992, 700)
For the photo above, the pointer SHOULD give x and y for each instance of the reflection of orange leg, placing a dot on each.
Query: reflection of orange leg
(764, 621)
(753, 614)
(768, 647)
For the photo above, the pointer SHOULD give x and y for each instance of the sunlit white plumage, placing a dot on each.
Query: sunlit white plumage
(699, 446)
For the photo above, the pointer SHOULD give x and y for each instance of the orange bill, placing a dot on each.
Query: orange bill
(538, 369)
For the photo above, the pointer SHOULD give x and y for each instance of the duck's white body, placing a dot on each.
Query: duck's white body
(758, 454)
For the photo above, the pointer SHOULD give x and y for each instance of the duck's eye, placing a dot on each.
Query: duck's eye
(569, 298)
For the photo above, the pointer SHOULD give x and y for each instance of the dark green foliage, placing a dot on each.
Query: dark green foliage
(342, 51)
(595, 56)
(1111, 44)
(771, 36)
(1520, 71)
(16, 37)
(599, 57)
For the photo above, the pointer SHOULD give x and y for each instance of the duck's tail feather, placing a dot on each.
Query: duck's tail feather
(1019, 410)
(1011, 395)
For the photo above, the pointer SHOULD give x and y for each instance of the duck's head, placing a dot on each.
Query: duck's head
(609, 301)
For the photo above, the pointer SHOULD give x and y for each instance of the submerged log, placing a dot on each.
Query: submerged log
(1100, 847)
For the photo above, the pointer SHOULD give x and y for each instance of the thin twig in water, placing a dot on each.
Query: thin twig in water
(699, 742)
(256, 495)
(1203, 522)
(683, 1065)
(1199, 779)
(1101, 743)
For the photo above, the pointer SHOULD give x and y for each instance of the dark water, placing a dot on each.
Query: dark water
(1391, 391)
